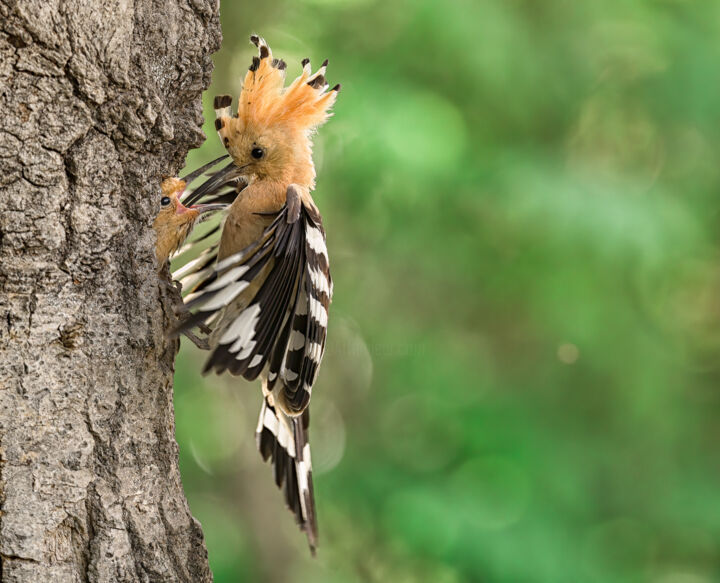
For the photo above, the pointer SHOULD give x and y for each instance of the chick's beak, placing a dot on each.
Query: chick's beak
(181, 209)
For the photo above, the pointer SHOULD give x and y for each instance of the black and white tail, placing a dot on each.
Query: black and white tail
(284, 441)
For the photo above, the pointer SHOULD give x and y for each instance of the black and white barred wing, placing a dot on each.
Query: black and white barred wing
(295, 368)
(274, 298)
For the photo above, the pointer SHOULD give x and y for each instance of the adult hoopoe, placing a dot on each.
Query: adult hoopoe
(267, 296)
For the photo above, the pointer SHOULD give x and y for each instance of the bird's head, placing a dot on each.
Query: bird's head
(175, 221)
(270, 136)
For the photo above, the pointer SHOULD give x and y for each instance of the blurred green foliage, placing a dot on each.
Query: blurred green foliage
(521, 382)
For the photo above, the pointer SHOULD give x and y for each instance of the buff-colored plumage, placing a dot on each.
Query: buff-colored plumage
(174, 223)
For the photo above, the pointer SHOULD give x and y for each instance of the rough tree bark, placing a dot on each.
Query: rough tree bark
(98, 99)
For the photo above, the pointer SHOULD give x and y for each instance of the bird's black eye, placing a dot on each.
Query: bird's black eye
(257, 153)
(165, 200)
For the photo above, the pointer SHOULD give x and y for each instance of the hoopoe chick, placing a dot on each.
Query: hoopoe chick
(269, 292)
(175, 221)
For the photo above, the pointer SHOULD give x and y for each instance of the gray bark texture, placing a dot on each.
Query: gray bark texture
(98, 100)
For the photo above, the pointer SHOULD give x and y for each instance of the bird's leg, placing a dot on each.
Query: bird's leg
(181, 314)
(181, 311)
(201, 343)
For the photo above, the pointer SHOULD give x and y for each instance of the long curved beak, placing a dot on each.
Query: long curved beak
(207, 208)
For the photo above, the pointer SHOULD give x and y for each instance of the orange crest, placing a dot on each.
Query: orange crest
(265, 101)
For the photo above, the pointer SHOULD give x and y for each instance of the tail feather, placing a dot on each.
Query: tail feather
(284, 441)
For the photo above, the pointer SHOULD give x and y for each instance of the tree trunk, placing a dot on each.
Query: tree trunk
(98, 100)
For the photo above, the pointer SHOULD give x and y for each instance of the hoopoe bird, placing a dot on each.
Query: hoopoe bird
(175, 221)
(267, 296)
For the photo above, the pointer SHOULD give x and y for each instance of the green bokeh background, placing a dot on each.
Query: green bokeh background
(521, 382)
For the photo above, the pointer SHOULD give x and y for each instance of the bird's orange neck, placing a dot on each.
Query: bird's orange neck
(300, 172)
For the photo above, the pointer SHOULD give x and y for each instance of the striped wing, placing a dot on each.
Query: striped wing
(202, 266)
(274, 297)
(295, 368)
